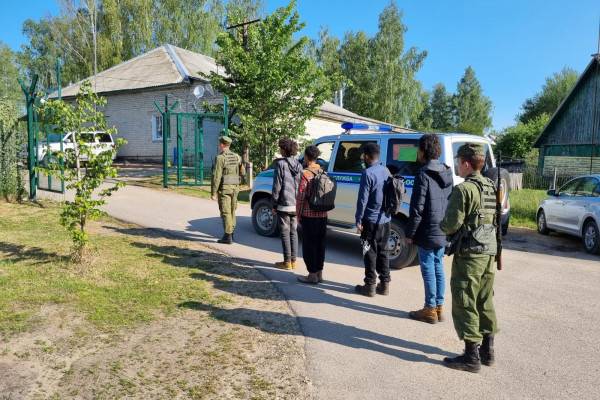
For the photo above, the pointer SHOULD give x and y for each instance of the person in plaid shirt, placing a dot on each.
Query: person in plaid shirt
(314, 223)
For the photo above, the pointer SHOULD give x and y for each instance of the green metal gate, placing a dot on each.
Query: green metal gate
(183, 154)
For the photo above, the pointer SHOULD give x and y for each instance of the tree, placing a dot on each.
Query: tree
(355, 56)
(327, 56)
(90, 194)
(441, 109)
(11, 138)
(471, 108)
(9, 73)
(274, 86)
(398, 91)
(517, 141)
(554, 91)
(424, 120)
(98, 34)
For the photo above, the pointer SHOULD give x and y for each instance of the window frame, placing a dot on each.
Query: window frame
(576, 181)
(390, 159)
(154, 128)
(337, 150)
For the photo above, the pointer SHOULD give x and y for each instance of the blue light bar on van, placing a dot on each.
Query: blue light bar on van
(365, 127)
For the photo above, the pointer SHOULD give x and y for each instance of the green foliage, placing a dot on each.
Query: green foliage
(11, 139)
(442, 112)
(517, 141)
(394, 71)
(125, 29)
(472, 110)
(89, 183)
(523, 207)
(327, 55)
(381, 75)
(272, 84)
(424, 120)
(9, 73)
(355, 59)
(554, 91)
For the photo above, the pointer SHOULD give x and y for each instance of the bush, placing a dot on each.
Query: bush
(11, 139)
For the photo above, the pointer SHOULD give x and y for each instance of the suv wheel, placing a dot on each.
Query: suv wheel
(263, 220)
(591, 238)
(402, 254)
(541, 223)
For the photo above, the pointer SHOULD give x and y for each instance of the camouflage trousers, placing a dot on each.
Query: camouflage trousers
(472, 285)
(227, 197)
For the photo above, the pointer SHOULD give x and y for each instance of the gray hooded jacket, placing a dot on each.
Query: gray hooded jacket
(288, 172)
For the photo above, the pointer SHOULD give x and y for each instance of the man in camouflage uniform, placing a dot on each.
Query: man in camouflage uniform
(470, 215)
(227, 170)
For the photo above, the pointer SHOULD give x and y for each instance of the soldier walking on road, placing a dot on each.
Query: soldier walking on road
(469, 220)
(227, 170)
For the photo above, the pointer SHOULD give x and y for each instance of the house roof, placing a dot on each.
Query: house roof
(563, 105)
(170, 65)
(163, 66)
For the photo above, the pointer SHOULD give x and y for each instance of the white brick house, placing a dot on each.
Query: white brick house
(132, 87)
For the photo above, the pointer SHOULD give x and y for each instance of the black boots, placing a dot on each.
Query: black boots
(486, 351)
(469, 361)
(365, 290)
(383, 288)
(226, 239)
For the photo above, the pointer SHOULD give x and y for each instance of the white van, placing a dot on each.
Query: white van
(341, 158)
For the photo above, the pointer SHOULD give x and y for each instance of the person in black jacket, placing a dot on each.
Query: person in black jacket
(428, 203)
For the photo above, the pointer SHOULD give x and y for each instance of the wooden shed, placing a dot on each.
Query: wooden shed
(570, 142)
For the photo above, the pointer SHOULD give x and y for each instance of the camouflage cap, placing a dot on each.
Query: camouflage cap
(225, 139)
(470, 149)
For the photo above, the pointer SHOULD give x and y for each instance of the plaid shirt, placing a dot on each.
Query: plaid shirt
(302, 206)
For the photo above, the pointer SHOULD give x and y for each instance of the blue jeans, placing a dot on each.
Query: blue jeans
(432, 269)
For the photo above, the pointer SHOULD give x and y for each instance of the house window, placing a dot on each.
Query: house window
(157, 128)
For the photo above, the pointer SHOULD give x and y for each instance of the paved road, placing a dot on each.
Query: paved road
(547, 298)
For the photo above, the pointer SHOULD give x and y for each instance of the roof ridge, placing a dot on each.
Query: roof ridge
(181, 68)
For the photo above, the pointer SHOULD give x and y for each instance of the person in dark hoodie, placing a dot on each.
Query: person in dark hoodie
(431, 190)
(288, 171)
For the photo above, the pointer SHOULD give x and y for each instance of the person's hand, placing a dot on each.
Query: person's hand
(408, 241)
(274, 211)
(213, 197)
(359, 228)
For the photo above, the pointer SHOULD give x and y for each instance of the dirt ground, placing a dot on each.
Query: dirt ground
(201, 351)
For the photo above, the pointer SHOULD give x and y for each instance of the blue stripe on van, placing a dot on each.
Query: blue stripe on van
(353, 178)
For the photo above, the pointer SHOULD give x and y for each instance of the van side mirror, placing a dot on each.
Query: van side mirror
(552, 192)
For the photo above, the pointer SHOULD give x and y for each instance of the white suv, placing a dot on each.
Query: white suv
(341, 158)
(98, 140)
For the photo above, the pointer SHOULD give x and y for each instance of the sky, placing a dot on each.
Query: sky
(513, 45)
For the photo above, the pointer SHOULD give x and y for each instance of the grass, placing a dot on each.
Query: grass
(524, 204)
(156, 182)
(121, 285)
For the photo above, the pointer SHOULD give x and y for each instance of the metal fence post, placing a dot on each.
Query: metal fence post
(31, 160)
(554, 181)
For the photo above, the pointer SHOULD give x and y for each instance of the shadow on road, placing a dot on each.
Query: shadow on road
(555, 244)
(221, 271)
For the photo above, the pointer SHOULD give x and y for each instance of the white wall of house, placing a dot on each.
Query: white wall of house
(318, 127)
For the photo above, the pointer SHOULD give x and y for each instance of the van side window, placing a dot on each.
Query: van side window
(488, 156)
(348, 157)
(402, 157)
(326, 149)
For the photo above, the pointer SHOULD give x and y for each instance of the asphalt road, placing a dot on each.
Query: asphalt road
(547, 300)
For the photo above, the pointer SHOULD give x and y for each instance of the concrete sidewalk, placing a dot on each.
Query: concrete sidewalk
(367, 348)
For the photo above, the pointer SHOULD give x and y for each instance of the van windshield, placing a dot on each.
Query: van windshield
(402, 157)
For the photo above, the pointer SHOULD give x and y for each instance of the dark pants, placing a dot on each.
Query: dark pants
(374, 239)
(289, 235)
(314, 231)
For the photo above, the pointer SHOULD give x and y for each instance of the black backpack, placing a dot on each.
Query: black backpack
(394, 194)
(321, 192)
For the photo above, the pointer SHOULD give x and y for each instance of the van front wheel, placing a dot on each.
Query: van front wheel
(402, 254)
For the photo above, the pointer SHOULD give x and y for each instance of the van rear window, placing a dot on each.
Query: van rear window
(402, 157)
